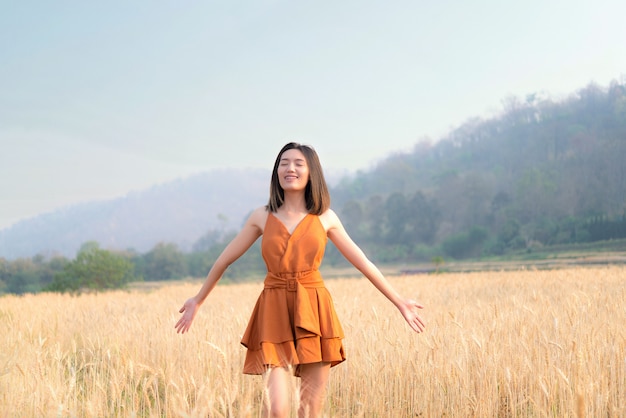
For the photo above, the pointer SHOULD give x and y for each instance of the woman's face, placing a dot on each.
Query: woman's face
(293, 171)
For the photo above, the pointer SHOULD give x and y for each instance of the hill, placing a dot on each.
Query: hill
(541, 173)
(177, 212)
(544, 172)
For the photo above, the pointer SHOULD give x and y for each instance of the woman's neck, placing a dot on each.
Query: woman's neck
(294, 202)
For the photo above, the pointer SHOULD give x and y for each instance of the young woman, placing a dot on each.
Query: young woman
(293, 328)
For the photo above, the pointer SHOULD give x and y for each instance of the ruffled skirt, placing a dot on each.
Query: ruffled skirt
(293, 323)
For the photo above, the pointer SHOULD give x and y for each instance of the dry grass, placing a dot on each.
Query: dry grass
(508, 344)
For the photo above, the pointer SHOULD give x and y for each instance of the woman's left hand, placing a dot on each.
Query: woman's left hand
(188, 310)
(409, 310)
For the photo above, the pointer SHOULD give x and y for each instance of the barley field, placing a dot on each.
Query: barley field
(497, 344)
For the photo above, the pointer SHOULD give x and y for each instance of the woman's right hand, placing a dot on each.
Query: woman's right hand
(409, 310)
(188, 310)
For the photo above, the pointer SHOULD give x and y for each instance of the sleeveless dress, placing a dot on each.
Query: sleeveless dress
(294, 320)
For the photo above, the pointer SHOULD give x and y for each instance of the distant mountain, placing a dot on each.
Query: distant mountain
(544, 172)
(543, 177)
(177, 212)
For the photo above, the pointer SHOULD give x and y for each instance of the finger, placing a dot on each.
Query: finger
(417, 327)
(417, 324)
(418, 305)
(181, 310)
(421, 323)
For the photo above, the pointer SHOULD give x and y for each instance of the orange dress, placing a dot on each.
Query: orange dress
(294, 320)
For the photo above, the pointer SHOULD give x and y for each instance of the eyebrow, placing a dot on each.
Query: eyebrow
(288, 159)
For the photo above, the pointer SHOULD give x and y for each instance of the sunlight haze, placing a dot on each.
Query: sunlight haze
(101, 99)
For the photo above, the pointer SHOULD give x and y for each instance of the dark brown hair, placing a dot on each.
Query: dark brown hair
(316, 192)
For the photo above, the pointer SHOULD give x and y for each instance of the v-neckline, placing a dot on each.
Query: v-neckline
(295, 228)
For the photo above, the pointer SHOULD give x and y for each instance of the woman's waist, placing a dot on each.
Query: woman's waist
(290, 280)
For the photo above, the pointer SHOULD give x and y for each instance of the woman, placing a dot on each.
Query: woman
(293, 328)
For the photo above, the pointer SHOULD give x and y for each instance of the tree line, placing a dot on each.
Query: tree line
(95, 268)
(544, 172)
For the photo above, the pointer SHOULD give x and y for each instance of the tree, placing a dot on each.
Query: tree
(21, 276)
(206, 241)
(438, 261)
(396, 211)
(164, 262)
(352, 214)
(509, 235)
(423, 218)
(374, 217)
(466, 244)
(93, 268)
(535, 194)
(4, 273)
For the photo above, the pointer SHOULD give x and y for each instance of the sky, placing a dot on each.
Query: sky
(99, 99)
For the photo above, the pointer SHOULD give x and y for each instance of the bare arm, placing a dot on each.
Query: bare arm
(250, 232)
(348, 248)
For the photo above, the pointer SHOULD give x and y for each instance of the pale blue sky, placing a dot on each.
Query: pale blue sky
(101, 98)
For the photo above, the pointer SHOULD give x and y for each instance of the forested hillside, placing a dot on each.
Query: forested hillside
(177, 212)
(543, 172)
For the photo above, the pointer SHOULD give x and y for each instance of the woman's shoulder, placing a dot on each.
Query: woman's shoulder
(261, 210)
(329, 219)
(328, 213)
(258, 217)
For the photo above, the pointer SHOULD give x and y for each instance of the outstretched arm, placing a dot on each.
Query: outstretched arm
(348, 248)
(250, 232)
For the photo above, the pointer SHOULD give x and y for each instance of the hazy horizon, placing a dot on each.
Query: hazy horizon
(100, 100)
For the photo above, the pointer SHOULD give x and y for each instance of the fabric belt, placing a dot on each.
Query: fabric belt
(305, 317)
(309, 279)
